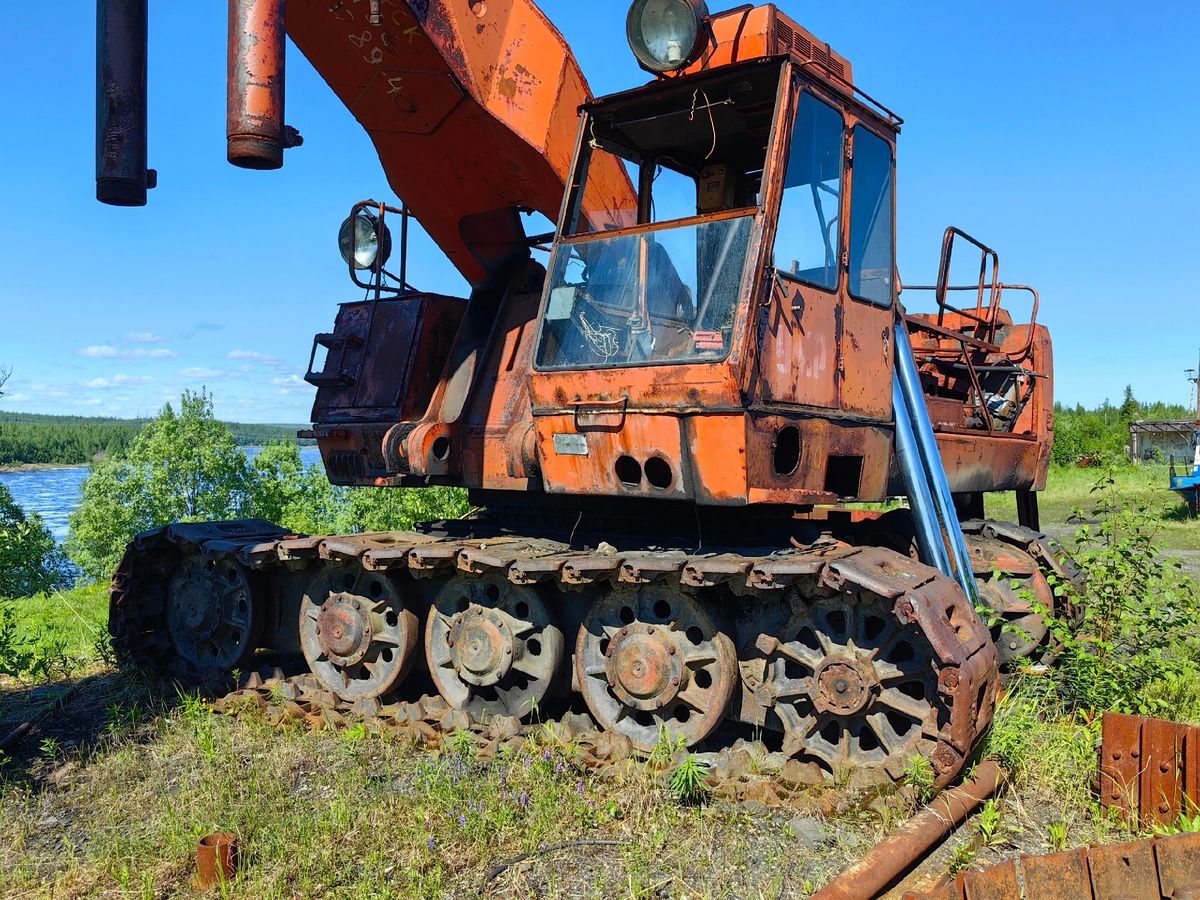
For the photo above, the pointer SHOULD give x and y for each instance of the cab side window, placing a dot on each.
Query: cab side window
(807, 240)
(871, 219)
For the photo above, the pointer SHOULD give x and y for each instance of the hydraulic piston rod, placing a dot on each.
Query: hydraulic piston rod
(121, 174)
(254, 124)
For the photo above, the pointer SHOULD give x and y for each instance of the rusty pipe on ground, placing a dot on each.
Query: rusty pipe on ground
(887, 861)
(121, 174)
(254, 125)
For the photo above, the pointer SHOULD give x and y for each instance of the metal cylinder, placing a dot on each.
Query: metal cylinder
(909, 380)
(910, 842)
(930, 543)
(121, 174)
(254, 91)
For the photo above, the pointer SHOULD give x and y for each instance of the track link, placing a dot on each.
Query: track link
(862, 657)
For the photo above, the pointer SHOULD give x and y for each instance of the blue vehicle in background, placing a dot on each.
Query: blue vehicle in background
(1185, 479)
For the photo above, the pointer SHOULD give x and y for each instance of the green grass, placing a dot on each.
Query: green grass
(1070, 488)
(74, 619)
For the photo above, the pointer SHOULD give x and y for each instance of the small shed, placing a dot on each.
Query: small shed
(1162, 439)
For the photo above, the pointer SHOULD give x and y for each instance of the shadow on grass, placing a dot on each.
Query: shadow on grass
(76, 714)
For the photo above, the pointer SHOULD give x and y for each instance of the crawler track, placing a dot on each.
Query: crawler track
(861, 657)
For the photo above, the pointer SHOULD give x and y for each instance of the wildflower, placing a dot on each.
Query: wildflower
(524, 800)
(546, 755)
(462, 820)
(432, 842)
(579, 789)
(559, 768)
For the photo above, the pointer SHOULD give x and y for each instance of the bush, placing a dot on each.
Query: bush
(1138, 630)
(188, 468)
(29, 560)
(179, 468)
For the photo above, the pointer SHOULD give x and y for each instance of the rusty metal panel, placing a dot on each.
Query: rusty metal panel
(1123, 871)
(1057, 876)
(1161, 781)
(997, 883)
(1191, 771)
(1178, 861)
(1120, 763)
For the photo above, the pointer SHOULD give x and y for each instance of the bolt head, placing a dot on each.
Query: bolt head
(658, 704)
(671, 649)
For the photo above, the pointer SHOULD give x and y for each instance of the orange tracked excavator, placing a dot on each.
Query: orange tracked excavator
(667, 426)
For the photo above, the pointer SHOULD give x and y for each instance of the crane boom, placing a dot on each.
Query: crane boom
(471, 105)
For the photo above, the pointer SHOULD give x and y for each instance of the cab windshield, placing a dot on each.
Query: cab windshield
(657, 278)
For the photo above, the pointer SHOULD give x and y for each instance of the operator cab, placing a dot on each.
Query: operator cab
(668, 277)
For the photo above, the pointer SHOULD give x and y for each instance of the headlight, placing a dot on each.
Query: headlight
(368, 241)
(666, 35)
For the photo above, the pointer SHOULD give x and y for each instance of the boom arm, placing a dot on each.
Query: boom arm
(472, 106)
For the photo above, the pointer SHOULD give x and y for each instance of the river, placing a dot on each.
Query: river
(54, 493)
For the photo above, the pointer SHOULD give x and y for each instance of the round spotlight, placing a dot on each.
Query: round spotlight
(367, 241)
(666, 35)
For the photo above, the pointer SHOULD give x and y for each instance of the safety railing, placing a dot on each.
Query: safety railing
(957, 349)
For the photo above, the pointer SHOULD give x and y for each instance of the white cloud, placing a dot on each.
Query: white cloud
(17, 398)
(116, 381)
(104, 351)
(93, 402)
(250, 355)
(145, 337)
(200, 372)
(290, 381)
(100, 351)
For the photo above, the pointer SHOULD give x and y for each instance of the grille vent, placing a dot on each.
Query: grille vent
(791, 41)
(346, 465)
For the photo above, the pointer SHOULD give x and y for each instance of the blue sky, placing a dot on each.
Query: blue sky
(1065, 135)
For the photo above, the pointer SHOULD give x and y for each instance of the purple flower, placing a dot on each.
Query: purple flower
(579, 789)
(559, 768)
(462, 820)
(546, 755)
(524, 800)
(470, 804)
(432, 842)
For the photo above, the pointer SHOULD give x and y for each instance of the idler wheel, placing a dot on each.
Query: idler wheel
(652, 658)
(211, 616)
(493, 647)
(356, 632)
(853, 689)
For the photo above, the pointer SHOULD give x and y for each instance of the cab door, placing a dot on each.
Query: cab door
(800, 328)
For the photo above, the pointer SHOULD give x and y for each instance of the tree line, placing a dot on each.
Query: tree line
(1103, 432)
(76, 440)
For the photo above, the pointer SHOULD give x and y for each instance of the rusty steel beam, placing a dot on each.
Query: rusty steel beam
(888, 860)
(1149, 769)
(121, 174)
(1165, 867)
(254, 126)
